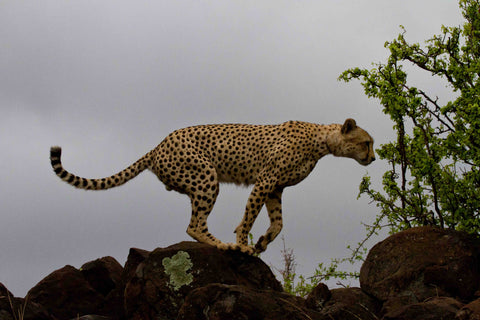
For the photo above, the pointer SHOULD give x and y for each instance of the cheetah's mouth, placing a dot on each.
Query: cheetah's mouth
(366, 161)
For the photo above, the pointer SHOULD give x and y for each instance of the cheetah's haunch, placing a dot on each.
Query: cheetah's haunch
(194, 160)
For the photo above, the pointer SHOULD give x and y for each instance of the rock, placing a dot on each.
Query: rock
(421, 273)
(81, 292)
(65, 293)
(317, 298)
(4, 292)
(135, 257)
(219, 302)
(419, 263)
(351, 304)
(470, 311)
(444, 308)
(92, 317)
(162, 281)
(18, 308)
(114, 304)
(103, 274)
(343, 303)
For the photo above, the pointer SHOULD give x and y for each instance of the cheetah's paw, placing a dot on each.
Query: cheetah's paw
(261, 245)
(245, 248)
(236, 247)
(223, 246)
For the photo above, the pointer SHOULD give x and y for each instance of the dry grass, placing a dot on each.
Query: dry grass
(20, 313)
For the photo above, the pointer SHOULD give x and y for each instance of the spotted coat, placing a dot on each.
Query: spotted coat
(194, 160)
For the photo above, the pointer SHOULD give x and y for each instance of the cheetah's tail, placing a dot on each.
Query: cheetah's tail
(96, 184)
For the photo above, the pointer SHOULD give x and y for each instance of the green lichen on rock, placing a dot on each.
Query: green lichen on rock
(176, 267)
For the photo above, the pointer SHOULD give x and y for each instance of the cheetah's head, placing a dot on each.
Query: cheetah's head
(352, 142)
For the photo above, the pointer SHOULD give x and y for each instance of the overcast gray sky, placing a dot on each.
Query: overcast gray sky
(108, 80)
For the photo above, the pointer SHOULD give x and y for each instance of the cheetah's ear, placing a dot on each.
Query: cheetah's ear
(348, 126)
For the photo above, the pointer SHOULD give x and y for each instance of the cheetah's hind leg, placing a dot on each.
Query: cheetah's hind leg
(198, 228)
(202, 205)
(203, 198)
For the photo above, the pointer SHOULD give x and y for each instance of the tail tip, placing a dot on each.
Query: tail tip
(55, 151)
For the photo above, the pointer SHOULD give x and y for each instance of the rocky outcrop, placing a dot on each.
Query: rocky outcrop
(470, 311)
(235, 302)
(444, 308)
(65, 293)
(421, 273)
(15, 308)
(415, 265)
(351, 304)
(318, 297)
(162, 281)
(103, 274)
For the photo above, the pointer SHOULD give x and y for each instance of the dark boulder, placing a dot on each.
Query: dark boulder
(351, 304)
(65, 293)
(114, 304)
(233, 302)
(161, 282)
(421, 273)
(135, 257)
(69, 292)
(444, 308)
(18, 308)
(419, 263)
(103, 274)
(93, 317)
(470, 311)
(318, 297)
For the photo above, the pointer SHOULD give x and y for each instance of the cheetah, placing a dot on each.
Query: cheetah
(194, 160)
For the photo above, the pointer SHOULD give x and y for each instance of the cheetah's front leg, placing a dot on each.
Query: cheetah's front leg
(257, 198)
(274, 208)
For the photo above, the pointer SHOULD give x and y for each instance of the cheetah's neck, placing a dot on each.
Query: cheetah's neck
(333, 138)
(324, 144)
